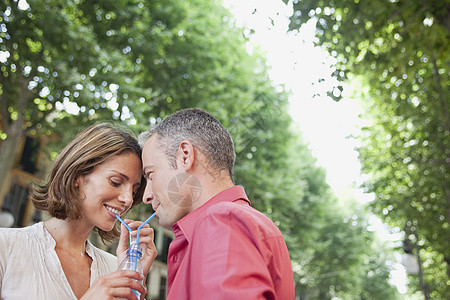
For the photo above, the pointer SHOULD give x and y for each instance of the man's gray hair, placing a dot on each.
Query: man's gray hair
(200, 128)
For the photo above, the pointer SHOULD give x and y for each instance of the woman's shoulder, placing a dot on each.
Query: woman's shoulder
(21, 233)
(18, 240)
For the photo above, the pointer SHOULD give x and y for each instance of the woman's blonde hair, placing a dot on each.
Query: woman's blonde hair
(90, 148)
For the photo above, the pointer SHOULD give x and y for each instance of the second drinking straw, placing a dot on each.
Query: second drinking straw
(139, 228)
(138, 232)
(142, 225)
(126, 225)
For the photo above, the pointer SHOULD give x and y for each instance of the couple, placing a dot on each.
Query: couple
(223, 248)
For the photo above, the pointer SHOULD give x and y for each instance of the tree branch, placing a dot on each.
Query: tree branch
(442, 99)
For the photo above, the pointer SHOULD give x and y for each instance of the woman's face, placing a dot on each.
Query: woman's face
(109, 190)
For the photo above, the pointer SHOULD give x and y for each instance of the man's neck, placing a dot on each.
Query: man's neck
(210, 187)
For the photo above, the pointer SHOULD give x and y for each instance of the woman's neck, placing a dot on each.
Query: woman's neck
(68, 235)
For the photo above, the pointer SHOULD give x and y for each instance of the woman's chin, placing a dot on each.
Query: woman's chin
(106, 227)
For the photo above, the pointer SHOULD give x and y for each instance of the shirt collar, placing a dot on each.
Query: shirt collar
(188, 223)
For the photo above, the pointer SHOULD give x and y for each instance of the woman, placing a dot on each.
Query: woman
(97, 175)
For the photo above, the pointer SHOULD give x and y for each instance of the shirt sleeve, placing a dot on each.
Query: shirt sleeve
(3, 250)
(229, 259)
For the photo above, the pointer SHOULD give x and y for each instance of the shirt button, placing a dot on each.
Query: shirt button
(175, 258)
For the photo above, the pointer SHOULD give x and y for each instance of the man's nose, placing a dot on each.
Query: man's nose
(148, 194)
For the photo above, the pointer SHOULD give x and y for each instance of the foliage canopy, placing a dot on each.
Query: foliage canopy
(400, 51)
(65, 64)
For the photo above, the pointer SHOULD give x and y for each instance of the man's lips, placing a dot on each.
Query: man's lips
(155, 206)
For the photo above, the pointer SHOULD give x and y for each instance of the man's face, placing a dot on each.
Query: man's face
(164, 189)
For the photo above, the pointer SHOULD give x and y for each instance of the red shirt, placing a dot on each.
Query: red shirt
(226, 249)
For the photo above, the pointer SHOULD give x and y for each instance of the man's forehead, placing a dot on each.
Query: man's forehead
(150, 143)
(151, 152)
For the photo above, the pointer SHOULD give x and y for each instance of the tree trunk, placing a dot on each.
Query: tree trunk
(15, 132)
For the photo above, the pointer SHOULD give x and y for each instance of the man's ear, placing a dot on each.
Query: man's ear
(186, 155)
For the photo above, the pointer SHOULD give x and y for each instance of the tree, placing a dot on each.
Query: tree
(332, 252)
(66, 64)
(56, 73)
(400, 51)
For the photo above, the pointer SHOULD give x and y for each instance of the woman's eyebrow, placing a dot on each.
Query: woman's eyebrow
(121, 174)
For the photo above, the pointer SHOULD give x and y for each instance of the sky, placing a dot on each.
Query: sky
(326, 125)
(297, 64)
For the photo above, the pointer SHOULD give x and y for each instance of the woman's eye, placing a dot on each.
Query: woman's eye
(113, 183)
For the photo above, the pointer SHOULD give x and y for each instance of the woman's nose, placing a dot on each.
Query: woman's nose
(126, 197)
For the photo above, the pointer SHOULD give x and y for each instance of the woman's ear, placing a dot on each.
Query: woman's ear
(76, 183)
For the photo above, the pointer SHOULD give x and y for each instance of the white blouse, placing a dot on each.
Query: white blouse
(30, 267)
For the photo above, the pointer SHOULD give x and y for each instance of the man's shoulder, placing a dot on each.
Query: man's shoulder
(242, 213)
(238, 207)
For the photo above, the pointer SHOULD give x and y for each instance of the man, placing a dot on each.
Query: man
(223, 248)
